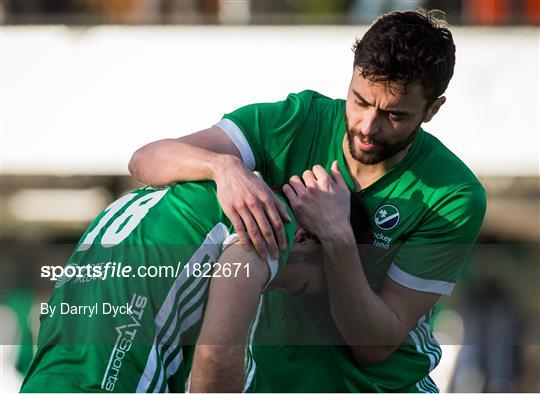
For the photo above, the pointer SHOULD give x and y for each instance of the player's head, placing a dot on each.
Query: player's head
(402, 66)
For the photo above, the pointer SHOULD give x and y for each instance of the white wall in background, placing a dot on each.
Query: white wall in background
(82, 100)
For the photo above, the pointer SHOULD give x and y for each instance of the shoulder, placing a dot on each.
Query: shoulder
(194, 194)
(449, 181)
(438, 178)
(443, 168)
(195, 202)
(315, 100)
(295, 106)
(309, 100)
(315, 110)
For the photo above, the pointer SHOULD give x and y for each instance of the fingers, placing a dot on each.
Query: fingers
(272, 230)
(238, 224)
(282, 209)
(274, 212)
(252, 226)
(291, 194)
(298, 186)
(257, 219)
(321, 175)
(268, 234)
(309, 178)
(336, 174)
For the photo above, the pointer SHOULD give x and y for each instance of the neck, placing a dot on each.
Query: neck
(365, 175)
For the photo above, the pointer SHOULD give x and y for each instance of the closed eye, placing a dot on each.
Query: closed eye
(397, 118)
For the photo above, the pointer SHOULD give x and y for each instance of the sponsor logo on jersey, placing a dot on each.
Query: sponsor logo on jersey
(88, 272)
(386, 217)
(64, 278)
(124, 341)
(381, 240)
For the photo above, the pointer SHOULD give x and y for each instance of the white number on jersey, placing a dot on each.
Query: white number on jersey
(125, 223)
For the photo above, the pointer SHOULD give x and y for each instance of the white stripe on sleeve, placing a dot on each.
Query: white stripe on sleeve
(272, 264)
(420, 284)
(235, 134)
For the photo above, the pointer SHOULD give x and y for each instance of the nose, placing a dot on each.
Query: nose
(369, 124)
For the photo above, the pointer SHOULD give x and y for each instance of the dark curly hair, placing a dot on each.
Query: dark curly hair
(408, 48)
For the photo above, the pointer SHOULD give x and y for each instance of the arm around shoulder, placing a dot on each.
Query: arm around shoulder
(190, 158)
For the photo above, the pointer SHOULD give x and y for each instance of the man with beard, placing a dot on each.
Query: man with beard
(425, 205)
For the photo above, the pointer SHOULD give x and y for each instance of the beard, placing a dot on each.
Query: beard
(383, 150)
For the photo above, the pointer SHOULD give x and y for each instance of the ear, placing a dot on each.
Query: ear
(434, 108)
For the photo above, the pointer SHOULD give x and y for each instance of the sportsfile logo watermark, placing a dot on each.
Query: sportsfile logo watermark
(105, 270)
(111, 269)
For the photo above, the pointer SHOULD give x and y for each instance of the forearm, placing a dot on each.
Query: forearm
(218, 364)
(169, 161)
(366, 322)
(217, 369)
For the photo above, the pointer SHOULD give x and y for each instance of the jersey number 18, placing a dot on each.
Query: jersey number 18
(124, 224)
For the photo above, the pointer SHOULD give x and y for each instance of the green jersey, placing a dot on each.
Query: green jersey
(136, 332)
(425, 214)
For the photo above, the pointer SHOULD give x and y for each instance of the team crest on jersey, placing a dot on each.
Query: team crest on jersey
(386, 217)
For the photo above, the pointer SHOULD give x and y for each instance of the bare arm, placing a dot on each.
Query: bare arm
(373, 325)
(255, 212)
(218, 364)
(194, 157)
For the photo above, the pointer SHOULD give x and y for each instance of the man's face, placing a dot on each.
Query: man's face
(304, 242)
(382, 120)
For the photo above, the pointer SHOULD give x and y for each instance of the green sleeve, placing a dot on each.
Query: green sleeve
(433, 258)
(266, 129)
